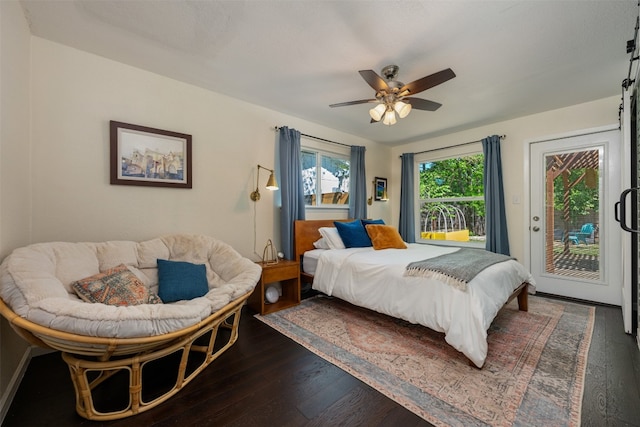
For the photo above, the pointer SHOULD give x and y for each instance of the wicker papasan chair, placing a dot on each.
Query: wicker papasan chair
(115, 307)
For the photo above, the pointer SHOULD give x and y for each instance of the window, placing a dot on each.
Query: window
(333, 185)
(451, 200)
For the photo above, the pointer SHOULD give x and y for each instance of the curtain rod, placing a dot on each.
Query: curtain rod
(319, 139)
(453, 146)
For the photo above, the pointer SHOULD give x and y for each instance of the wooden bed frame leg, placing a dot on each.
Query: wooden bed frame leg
(523, 299)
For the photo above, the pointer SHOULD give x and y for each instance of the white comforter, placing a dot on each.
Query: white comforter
(375, 280)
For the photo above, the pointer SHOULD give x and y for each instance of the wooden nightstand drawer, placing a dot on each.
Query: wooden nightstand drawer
(276, 272)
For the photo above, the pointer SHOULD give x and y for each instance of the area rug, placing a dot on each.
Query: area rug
(533, 374)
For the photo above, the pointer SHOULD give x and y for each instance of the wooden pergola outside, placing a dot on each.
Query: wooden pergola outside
(561, 165)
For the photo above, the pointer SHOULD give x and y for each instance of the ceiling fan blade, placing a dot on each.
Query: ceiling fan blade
(428, 82)
(361, 101)
(423, 104)
(374, 80)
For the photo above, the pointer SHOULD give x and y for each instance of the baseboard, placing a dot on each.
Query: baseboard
(12, 388)
(578, 300)
(41, 351)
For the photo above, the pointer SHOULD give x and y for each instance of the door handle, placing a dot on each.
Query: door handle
(536, 228)
(621, 210)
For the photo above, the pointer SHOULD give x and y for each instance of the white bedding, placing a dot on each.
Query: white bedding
(375, 279)
(310, 260)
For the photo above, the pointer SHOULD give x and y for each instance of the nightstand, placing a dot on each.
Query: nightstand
(285, 272)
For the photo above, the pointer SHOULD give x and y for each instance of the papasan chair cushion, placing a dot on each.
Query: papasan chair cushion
(44, 289)
(35, 281)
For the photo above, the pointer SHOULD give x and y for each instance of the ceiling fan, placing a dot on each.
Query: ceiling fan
(394, 97)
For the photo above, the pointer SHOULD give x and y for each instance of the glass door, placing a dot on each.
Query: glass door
(574, 244)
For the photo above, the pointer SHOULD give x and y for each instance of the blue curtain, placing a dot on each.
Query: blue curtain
(291, 190)
(357, 184)
(407, 224)
(496, 218)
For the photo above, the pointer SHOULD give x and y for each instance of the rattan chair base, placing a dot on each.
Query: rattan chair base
(93, 360)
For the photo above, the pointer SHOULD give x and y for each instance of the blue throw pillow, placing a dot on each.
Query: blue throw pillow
(366, 222)
(352, 234)
(180, 280)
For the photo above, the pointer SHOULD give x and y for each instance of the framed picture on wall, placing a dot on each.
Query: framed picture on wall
(380, 186)
(147, 156)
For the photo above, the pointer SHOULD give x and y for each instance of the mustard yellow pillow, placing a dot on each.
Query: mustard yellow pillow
(385, 237)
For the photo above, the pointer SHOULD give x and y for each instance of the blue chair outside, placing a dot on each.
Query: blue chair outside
(558, 234)
(586, 232)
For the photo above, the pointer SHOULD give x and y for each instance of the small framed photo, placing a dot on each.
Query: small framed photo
(150, 157)
(380, 186)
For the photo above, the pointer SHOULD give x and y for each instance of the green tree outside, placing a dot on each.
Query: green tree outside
(459, 177)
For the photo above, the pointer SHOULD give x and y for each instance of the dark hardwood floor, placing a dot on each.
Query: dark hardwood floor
(266, 379)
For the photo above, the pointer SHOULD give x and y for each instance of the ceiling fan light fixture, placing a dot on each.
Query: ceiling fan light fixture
(402, 108)
(377, 112)
(390, 93)
(390, 117)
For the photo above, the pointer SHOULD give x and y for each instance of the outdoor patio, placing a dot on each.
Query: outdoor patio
(583, 261)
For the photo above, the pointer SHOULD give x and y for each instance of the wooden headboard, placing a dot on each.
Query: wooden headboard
(305, 232)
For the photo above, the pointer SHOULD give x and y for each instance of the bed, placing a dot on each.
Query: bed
(375, 279)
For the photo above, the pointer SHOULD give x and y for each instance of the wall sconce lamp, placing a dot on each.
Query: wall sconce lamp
(271, 184)
(370, 199)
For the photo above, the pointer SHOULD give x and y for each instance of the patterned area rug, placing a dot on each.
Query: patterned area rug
(533, 375)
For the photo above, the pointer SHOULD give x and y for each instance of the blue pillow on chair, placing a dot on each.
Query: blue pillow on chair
(353, 234)
(181, 280)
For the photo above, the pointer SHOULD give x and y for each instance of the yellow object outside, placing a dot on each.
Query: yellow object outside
(458, 236)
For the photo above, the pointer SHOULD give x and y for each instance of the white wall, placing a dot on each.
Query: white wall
(589, 115)
(75, 94)
(15, 169)
(15, 173)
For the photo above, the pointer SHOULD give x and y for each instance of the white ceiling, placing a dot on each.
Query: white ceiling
(512, 58)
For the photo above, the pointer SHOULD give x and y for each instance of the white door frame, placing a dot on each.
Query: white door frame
(527, 190)
(627, 274)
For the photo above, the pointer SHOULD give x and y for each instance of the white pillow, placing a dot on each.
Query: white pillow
(321, 243)
(332, 237)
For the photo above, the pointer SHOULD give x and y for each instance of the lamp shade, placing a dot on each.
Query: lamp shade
(402, 108)
(390, 118)
(272, 184)
(377, 112)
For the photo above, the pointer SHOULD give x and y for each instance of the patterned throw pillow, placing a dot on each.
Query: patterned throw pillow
(116, 286)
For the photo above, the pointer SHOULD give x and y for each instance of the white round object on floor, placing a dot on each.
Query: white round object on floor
(271, 294)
